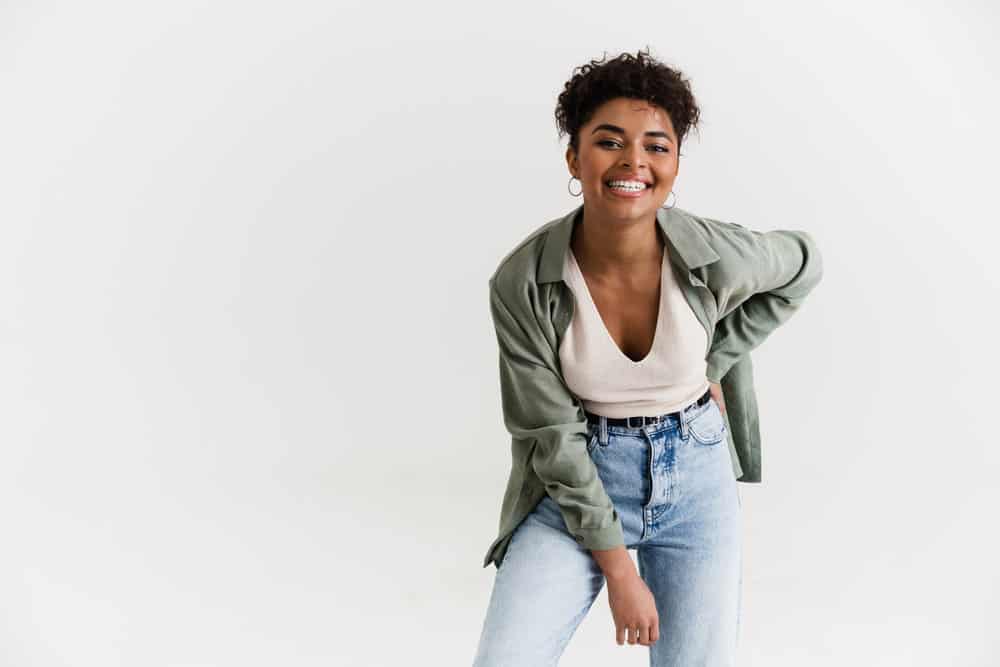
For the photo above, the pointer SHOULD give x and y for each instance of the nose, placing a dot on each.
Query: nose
(632, 155)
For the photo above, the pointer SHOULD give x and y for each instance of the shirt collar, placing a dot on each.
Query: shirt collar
(687, 243)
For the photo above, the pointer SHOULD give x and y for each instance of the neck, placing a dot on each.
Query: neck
(616, 246)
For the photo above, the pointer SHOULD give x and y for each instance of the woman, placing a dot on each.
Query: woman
(622, 329)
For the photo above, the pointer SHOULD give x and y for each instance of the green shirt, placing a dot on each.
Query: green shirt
(740, 283)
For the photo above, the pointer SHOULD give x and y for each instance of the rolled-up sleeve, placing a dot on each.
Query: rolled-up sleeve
(762, 278)
(539, 407)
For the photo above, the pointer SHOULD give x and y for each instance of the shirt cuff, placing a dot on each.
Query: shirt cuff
(603, 538)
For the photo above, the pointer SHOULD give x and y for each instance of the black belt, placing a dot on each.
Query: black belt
(639, 422)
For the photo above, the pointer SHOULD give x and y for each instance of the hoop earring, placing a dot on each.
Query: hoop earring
(672, 205)
(575, 194)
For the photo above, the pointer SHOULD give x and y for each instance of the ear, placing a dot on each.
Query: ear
(571, 162)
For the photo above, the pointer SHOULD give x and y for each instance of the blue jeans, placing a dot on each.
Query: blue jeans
(674, 488)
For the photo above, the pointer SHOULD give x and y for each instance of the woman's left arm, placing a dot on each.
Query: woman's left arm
(760, 280)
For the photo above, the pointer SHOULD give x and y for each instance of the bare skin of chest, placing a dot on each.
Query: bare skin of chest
(629, 308)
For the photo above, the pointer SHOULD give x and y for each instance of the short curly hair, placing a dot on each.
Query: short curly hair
(639, 77)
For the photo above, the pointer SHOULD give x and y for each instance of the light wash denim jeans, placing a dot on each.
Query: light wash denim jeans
(673, 486)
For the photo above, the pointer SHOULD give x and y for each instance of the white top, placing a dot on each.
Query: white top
(670, 377)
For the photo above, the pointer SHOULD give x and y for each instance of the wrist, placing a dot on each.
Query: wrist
(616, 564)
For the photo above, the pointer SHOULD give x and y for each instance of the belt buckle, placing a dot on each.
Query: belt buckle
(629, 422)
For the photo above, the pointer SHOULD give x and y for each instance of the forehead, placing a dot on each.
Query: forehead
(632, 114)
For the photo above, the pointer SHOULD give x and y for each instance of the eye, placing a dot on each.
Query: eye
(615, 144)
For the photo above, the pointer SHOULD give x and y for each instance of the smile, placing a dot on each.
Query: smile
(627, 189)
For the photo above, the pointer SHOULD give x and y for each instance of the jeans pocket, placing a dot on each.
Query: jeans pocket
(709, 427)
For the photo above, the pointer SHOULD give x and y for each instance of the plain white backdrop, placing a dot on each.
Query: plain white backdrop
(251, 409)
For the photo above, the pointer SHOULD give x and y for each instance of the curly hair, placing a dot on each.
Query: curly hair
(639, 77)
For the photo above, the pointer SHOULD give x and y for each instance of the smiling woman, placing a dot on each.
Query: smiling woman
(626, 120)
(619, 325)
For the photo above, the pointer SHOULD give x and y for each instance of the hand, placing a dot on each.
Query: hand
(716, 390)
(634, 609)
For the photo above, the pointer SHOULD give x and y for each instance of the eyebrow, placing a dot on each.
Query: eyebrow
(614, 128)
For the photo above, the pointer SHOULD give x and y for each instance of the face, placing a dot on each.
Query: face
(626, 140)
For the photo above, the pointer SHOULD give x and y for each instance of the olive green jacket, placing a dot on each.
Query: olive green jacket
(740, 283)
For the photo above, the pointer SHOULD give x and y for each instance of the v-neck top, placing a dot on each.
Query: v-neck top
(607, 381)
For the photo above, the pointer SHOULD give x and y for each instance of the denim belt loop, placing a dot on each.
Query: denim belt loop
(603, 438)
(682, 418)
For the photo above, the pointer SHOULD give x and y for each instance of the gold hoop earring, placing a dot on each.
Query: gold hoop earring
(575, 194)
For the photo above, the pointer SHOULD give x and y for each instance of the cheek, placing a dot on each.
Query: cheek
(665, 180)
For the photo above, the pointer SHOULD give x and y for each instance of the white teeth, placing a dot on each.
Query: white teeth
(633, 186)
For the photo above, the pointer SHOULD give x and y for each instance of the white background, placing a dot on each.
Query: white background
(251, 409)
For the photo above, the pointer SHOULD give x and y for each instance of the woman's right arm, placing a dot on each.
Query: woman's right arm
(539, 408)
